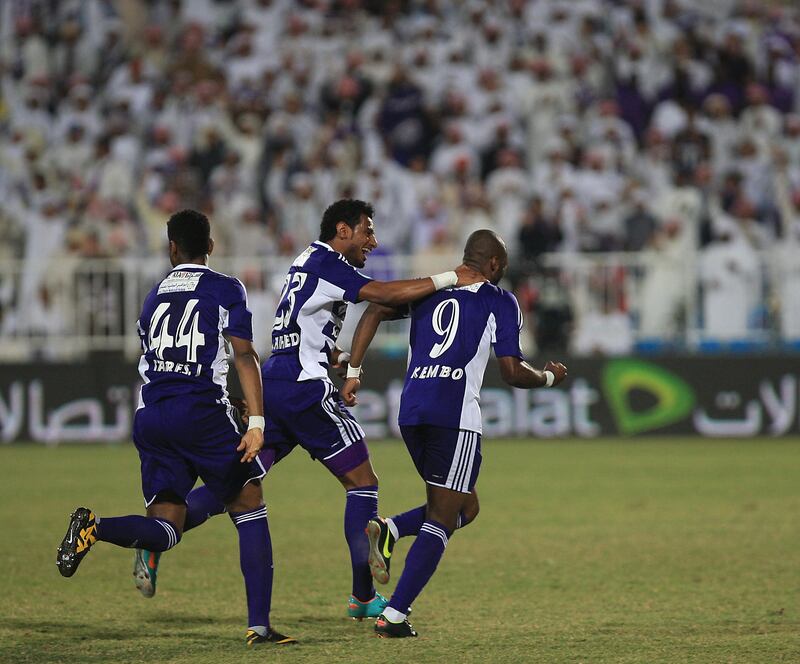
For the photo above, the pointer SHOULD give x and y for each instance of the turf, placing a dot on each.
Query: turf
(603, 551)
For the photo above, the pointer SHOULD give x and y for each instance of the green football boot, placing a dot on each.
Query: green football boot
(145, 571)
(359, 610)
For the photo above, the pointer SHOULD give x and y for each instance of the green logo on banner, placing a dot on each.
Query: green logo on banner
(674, 397)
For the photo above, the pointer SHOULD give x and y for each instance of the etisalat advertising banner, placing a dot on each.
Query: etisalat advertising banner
(707, 396)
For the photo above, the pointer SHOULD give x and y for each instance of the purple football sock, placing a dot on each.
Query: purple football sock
(139, 531)
(255, 559)
(409, 523)
(200, 506)
(421, 561)
(361, 506)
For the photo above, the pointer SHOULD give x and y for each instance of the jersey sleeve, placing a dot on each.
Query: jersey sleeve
(240, 320)
(508, 319)
(340, 273)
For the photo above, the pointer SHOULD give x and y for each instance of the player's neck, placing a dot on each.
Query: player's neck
(339, 246)
(198, 260)
(473, 265)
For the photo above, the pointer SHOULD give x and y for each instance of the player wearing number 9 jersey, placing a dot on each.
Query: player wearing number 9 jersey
(184, 427)
(452, 333)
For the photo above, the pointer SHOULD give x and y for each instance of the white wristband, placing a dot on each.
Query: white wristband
(344, 356)
(549, 378)
(354, 372)
(255, 422)
(444, 280)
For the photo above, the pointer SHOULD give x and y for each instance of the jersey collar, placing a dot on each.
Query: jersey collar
(190, 266)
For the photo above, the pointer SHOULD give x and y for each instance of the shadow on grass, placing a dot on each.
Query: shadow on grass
(176, 620)
(65, 631)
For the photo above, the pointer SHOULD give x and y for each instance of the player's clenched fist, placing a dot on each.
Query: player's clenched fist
(558, 370)
(348, 391)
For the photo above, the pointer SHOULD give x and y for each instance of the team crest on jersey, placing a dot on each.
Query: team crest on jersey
(179, 282)
(300, 261)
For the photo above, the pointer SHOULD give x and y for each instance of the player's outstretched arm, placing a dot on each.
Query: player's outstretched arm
(247, 366)
(518, 373)
(396, 293)
(362, 338)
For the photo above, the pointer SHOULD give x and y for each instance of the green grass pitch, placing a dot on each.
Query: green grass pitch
(604, 551)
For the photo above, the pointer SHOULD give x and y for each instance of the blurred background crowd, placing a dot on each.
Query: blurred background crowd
(648, 150)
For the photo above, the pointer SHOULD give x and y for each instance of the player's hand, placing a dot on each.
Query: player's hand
(348, 391)
(467, 276)
(251, 444)
(558, 369)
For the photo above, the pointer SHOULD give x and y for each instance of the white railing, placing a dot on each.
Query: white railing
(66, 308)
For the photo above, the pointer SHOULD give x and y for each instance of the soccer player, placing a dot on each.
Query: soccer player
(184, 426)
(301, 404)
(440, 419)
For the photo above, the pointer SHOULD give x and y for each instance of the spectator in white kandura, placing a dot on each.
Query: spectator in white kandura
(729, 275)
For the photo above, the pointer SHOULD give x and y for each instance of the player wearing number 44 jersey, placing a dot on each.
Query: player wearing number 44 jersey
(184, 427)
(440, 419)
(301, 404)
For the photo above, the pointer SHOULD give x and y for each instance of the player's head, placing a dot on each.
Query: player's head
(347, 227)
(189, 234)
(486, 252)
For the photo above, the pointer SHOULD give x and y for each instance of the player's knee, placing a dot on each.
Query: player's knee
(249, 498)
(468, 514)
(359, 477)
(447, 517)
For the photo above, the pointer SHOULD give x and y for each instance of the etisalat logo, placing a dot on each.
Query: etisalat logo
(643, 397)
(671, 398)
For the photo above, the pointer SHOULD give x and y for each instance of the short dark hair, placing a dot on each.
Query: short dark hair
(348, 210)
(483, 245)
(191, 231)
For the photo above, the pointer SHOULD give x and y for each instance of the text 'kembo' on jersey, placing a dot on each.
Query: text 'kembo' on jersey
(451, 333)
(310, 313)
(182, 327)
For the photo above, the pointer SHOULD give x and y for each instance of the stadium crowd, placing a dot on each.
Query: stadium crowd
(660, 126)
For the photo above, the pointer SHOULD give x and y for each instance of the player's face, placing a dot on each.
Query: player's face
(362, 242)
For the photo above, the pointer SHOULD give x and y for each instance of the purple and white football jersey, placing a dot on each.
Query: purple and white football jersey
(182, 327)
(310, 313)
(451, 333)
